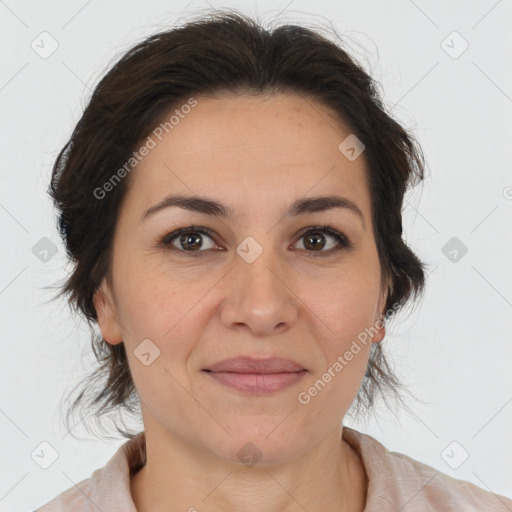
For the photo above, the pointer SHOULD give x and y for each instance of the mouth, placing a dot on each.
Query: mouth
(255, 375)
(257, 383)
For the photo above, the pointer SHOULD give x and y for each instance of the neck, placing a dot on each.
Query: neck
(178, 476)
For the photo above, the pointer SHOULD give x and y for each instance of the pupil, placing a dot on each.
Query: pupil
(192, 241)
(319, 241)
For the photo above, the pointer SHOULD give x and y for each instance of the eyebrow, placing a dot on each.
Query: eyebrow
(212, 207)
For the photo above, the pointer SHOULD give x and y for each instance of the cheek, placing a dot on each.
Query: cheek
(152, 306)
(347, 307)
(345, 354)
(153, 296)
(348, 304)
(168, 318)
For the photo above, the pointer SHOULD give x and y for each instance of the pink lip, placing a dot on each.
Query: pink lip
(257, 383)
(253, 365)
(256, 376)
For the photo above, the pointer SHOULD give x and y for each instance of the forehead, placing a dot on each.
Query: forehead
(249, 152)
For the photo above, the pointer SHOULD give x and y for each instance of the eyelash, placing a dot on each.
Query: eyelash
(343, 241)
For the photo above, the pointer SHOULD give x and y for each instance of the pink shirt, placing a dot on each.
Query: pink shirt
(395, 483)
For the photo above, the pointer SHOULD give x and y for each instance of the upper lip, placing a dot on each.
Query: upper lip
(255, 365)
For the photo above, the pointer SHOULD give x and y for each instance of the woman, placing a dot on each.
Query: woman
(232, 200)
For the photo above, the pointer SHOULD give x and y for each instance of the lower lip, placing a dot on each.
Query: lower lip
(257, 383)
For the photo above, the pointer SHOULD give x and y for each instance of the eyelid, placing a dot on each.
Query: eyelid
(327, 228)
(344, 242)
(169, 237)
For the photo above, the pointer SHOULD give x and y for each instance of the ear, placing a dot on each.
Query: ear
(107, 314)
(379, 336)
(379, 322)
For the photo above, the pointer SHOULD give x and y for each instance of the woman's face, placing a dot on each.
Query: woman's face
(258, 285)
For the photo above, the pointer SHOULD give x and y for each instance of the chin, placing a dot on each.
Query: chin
(266, 443)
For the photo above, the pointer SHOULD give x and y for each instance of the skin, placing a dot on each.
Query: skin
(256, 154)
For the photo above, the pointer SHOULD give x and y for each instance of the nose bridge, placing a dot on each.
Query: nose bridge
(259, 266)
(259, 296)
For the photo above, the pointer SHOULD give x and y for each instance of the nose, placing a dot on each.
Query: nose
(260, 296)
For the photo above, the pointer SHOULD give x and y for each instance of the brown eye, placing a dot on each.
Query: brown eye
(191, 241)
(315, 241)
(188, 240)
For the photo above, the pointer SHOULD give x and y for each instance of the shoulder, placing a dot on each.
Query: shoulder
(397, 481)
(107, 489)
(78, 498)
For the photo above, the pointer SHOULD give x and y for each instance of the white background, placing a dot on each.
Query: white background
(453, 350)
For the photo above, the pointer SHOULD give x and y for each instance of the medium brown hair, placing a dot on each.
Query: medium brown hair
(223, 52)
